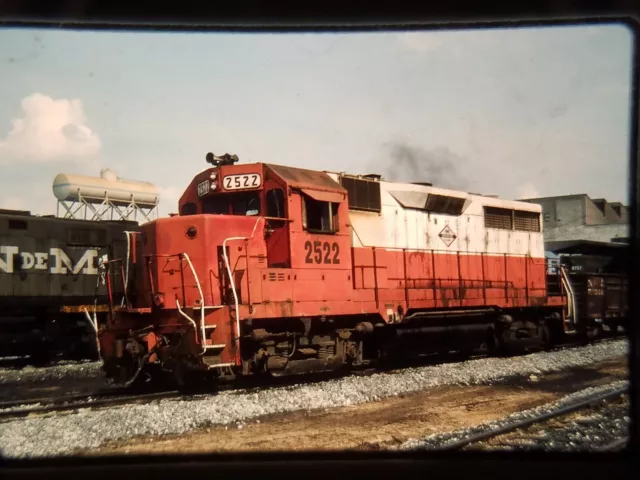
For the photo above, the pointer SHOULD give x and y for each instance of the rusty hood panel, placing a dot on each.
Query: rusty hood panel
(306, 179)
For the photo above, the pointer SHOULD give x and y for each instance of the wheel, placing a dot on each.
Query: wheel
(547, 337)
(594, 333)
(496, 346)
(123, 370)
(187, 378)
(614, 328)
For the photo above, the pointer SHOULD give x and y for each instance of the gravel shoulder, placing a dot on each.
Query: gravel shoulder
(87, 429)
(379, 425)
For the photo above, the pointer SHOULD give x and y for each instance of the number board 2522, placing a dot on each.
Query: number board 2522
(242, 181)
(322, 252)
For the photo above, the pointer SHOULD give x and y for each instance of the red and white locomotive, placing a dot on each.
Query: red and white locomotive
(269, 268)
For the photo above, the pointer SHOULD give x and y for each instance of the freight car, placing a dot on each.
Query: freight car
(599, 278)
(281, 270)
(51, 293)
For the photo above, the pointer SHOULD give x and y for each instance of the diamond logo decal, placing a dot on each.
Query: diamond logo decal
(447, 236)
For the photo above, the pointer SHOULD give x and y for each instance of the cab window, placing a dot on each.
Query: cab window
(241, 203)
(275, 203)
(189, 209)
(319, 217)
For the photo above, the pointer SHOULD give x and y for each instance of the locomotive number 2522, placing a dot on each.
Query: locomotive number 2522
(322, 252)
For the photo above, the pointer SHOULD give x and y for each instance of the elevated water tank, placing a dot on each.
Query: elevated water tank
(69, 187)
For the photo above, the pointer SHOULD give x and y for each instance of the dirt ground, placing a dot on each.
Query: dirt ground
(378, 425)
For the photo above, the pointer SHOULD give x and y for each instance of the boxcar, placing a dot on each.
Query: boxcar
(51, 287)
(600, 279)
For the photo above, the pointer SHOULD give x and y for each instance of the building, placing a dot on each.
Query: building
(579, 217)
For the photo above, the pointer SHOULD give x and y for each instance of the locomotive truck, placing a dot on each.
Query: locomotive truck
(281, 270)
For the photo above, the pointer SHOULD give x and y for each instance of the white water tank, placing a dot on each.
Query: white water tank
(69, 187)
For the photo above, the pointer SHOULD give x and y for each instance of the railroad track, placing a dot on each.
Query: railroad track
(615, 445)
(10, 410)
(537, 420)
(23, 408)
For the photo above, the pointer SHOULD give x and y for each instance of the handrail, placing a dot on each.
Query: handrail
(195, 327)
(278, 219)
(103, 272)
(195, 275)
(129, 235)
(94, 324)
(454, 252)
(233, 286)
(437, 282)
(185, 256)
(107, 265)
(571, 298)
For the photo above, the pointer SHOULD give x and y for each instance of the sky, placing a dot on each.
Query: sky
(516, 113)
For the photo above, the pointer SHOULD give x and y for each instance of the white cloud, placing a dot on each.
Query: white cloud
(49, 130)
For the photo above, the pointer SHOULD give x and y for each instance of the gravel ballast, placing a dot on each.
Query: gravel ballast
(601, 428)
(62, 371)
(63, 434)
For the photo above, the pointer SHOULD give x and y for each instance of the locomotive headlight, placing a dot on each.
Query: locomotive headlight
(214, 185)
(214, 175)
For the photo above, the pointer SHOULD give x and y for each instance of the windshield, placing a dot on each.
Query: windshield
(245, 203)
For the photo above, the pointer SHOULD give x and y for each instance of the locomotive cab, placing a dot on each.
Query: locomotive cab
(295, 204)
(245, 234)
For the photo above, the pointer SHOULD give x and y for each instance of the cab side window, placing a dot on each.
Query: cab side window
(275, 207)
(319, 217)
(189, 209)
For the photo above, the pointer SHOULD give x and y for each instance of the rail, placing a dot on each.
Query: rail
(615, 445)
(12, 410)
(510, 427)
